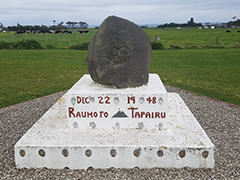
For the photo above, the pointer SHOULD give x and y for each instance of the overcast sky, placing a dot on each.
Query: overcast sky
(38, 12)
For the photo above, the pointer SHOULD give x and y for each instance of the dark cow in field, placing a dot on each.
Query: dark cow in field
(228, 31)
(67, 32)
(35, 31)
(83, 31)
(238, 31)
(57, 32)
(44, 31)
(21, 32)
(62, 31)
(28, 31)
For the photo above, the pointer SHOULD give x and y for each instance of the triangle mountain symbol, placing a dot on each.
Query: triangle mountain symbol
(120, 114)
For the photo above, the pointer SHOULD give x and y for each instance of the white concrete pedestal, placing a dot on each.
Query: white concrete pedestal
(90, 105)
(55, 142)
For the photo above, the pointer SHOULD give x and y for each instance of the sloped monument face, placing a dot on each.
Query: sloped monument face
(103, 127)
(119, 54)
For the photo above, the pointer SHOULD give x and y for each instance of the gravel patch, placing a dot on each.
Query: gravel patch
(220, 121)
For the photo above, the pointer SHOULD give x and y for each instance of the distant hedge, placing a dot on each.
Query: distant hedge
(156, 45)
(34, 44)
(83, 46)
(22, 44)
(7, 45)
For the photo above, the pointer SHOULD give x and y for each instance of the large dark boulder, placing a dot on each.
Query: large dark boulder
(119, 54)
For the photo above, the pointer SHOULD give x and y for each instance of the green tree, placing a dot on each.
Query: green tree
(85, 25)
(191, 23)
(73, 24)
(233, 23)
(69, 23)
(19, 27)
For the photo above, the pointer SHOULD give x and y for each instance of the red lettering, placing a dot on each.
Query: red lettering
(154, 100)
(107, 100)
(78, 99)
(86, 100)
(105, 114)
(70, 111)
(163, 114)
(101, 112)
(142, 114)
(131, 99)
(132, 108)
(157, 115)
(83, 100)
(78, 114)
(100, 100)
(149, 100)
(148, 115)
(89, 114)
(84, 114)
(137, 115)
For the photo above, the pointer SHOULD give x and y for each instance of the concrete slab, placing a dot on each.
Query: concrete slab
(53, 144)
(92, 105)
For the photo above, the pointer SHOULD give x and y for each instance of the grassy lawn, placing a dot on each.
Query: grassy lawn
(56, 40)
(184, 38)
(211, 72)
(195, 38)
(28, 74)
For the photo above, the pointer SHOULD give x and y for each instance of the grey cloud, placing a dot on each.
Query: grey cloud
(139, 11)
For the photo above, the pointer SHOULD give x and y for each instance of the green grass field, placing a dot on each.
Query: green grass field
(184, 38)
(195, 38)
(210, 72)
(28, 74)
(56, 40)
(201, 66)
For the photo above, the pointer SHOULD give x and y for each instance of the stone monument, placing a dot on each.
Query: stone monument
(118, 116)
(119, 54)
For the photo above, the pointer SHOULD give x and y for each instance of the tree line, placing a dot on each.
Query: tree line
(234, 22)
(190, 23)
(59, 26)
(77, 24)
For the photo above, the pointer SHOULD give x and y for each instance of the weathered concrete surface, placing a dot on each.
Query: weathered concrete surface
(88, 96)
(119, 54)
(220, 120)
(173, 140)
(51, 143)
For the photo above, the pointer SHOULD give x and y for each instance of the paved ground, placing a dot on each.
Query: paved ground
(220, 120)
